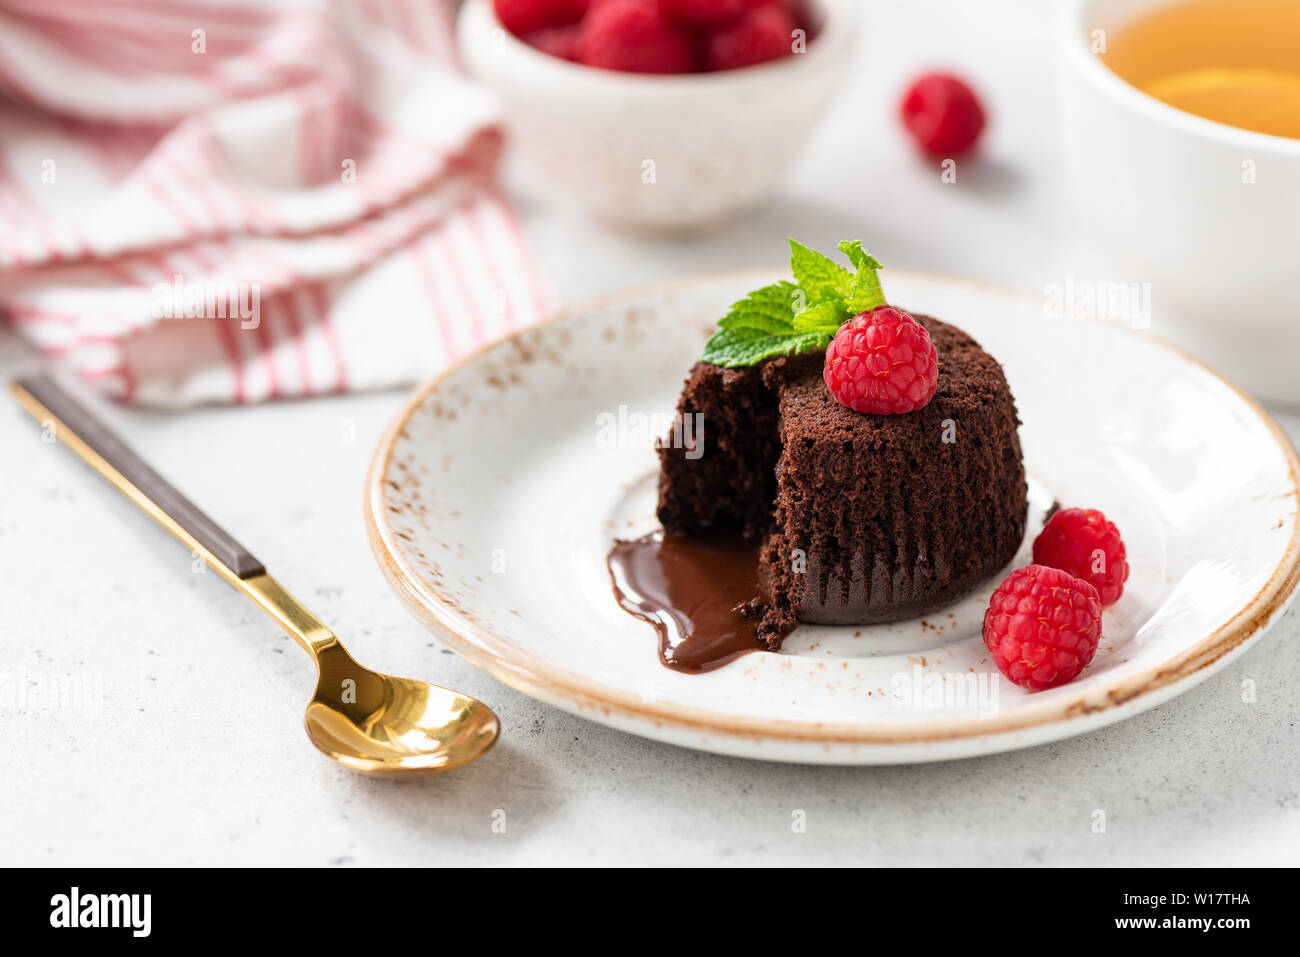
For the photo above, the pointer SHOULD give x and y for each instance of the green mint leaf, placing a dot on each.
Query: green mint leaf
(818, 276)
(770, 309)
(864, 292)
(865, 296)
(825, 316)
(746, 346)
(860, 258)
(785, 318)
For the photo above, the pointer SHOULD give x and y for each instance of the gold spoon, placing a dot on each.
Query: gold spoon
(370, 722)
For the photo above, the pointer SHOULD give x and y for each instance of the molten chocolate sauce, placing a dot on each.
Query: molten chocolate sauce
(700, 594)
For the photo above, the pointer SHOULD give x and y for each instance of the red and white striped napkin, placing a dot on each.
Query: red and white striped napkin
(317, 172)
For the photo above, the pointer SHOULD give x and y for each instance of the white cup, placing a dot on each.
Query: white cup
(1208, 214)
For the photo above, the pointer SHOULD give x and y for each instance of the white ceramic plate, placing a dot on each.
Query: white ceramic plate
(495, 495)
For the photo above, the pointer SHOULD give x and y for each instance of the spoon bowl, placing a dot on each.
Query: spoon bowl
(393, 727)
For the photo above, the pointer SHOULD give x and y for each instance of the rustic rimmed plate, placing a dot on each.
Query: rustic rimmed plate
(494, 496)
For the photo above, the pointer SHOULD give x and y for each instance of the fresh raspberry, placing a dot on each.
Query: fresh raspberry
(1042, 626)
(557, 41)
(1083, 542)
(882, 362)
(709, 13)
(634, 36)
(758, 36)
(522, 17)
(943, 114)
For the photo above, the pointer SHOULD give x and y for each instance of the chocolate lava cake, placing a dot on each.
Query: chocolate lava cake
(863, 518)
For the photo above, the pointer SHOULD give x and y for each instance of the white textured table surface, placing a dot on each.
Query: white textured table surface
(197, 755)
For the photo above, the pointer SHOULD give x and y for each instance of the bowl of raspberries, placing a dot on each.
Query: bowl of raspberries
(660, 115)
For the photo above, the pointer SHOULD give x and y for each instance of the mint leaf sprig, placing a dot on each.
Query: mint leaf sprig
(791, 317)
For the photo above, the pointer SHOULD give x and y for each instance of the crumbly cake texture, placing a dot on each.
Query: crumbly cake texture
(864, 518)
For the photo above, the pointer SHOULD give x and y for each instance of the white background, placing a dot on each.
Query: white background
(198, 755)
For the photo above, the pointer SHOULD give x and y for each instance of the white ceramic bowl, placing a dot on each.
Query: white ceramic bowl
(659, 152)
(1208, 214)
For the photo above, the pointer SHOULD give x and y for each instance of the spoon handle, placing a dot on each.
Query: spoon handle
(82, 431)
(88, 436)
